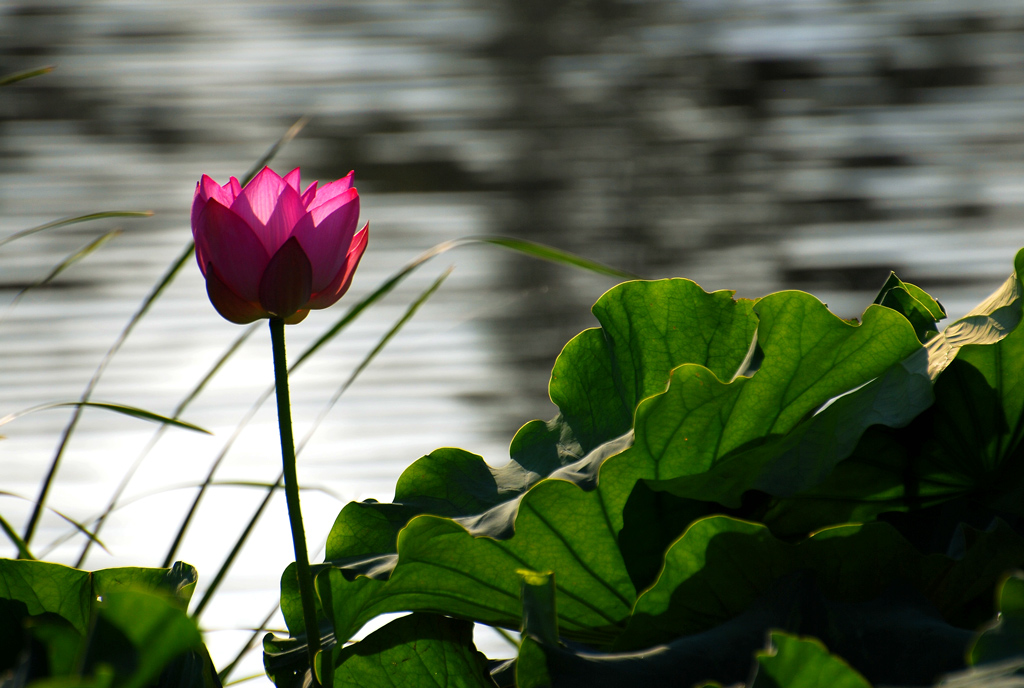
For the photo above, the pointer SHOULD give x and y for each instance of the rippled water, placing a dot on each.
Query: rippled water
(753, 146)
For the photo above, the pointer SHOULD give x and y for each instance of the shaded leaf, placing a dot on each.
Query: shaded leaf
(122, 626)
(712, 440)
(986, 323)
(914, 304)
(1004, 638)
(157, 630)
(966, 445)
(721, 565)
(881, 634)
(418, 650)
(800, 662)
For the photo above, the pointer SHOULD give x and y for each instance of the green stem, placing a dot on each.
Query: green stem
(291, 490)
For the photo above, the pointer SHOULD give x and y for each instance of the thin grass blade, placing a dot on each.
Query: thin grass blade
(552, 255)
(14, 78)
(409, 313)
(75, 220)
(226, 672)
(529, 248)
(64, 265)
(23, 551)
(78, 526)
(271, 153)
(117, 408)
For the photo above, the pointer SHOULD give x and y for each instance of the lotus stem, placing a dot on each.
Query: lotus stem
(291, 490)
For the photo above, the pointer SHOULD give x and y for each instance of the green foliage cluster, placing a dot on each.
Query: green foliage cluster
(733, 491)
(116, 628)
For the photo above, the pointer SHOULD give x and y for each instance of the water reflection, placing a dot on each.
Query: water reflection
(746, 145)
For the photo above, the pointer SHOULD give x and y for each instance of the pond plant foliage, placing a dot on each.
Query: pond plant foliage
(733, 491)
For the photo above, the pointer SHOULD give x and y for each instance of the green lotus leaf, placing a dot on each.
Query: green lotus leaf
(1003, 639)
(877, 636)
(721, 565)
(45, 587)
(913, 303)
(796, 662)
(648, 328)
(444, 568)
(986, 323)
(126, 625)
(418, 650)
(156, 630)
(573, 520)
(706, 439)
(967, 446)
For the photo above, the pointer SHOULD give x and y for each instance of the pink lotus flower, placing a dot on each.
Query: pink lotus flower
(269, 250)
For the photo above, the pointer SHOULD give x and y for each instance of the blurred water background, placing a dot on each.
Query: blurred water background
(751, 145)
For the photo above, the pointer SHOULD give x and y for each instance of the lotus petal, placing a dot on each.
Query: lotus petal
(227, 241)
(326, 239)
(206, 189)
(292, 179)
(286, 284)
(228, 303)
(329, 191)
(343, 279)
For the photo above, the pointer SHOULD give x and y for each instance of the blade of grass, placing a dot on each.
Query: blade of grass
(383, 342)
(263, 628)
(179, 409)
(226, 671)
(506, 636)
(239, 544)
(79, 527)
(292, 132)
(64, 265)
(245, 679)
(411, 311)
(529, 248)
(23, 551)
(75, 220)
(521, 246)
(171, 488)
(165, 281)
(550, 254)
(117, 408)
(9, 79)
